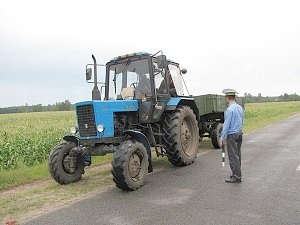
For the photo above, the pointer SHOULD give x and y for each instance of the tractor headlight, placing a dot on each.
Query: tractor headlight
(73, 130)
(100, 128)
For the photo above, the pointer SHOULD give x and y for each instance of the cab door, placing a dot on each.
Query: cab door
(162, 91)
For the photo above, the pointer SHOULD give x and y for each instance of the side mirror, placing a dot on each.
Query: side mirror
(88, 74)
(184, 71)
(162, 62)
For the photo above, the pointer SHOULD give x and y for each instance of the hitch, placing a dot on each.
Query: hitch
(79, 150)
(72, 164)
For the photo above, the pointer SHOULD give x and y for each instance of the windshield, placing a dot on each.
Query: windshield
(178, 80)
(129, 80)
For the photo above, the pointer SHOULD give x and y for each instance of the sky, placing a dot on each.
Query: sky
(250, 46)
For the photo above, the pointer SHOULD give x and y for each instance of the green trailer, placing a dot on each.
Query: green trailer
(211, 115)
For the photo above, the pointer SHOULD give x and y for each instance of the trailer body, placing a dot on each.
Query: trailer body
(211, 109)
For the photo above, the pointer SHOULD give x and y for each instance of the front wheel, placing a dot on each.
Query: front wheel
(130, 165)
(59, 164)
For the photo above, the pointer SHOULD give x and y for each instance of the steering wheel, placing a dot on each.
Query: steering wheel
(134, 84)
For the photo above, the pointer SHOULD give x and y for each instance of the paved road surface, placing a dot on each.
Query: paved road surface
(197, 194)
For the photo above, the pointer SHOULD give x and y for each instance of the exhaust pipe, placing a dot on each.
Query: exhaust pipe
(95, 92)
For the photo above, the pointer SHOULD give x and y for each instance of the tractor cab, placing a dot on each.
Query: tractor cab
(143, 77)
(149, 79)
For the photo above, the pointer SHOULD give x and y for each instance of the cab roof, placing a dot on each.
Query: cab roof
(131, 55)
(115, 59)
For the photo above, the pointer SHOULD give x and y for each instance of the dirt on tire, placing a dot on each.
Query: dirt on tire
(121, 168)
(181, 136)
(56, 164)
(215, 136)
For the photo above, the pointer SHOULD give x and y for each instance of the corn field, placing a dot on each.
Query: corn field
(27, 138)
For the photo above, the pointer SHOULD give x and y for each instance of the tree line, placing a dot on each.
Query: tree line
(282, 98)
(58, 106)
(67, 106)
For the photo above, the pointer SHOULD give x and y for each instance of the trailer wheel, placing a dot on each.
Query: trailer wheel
(215, 136)
(130, 165)
(59, 164)
(181, 139)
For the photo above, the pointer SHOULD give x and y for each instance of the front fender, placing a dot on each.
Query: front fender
(140, 137)
(72, 139)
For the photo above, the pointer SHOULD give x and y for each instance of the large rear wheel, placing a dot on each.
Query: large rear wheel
(130, 165)
(59, 164)
(216, 136)
(181, 139)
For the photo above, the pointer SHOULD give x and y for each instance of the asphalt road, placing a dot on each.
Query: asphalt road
(198, 194)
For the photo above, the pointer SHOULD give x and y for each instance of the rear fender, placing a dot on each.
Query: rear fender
(174, 102)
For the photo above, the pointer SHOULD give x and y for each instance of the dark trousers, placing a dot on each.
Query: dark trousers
(234, 143)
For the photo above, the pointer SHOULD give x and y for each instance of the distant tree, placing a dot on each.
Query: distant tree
(68, 105)
(259, 97)
(26, 108)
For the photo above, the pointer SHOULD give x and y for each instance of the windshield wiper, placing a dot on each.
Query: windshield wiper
(115, 78)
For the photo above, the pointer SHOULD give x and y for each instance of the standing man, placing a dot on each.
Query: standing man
(232, 133)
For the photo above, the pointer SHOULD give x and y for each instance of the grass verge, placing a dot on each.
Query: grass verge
(28, 201)
(25, 174)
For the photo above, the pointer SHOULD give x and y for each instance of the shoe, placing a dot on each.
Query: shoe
(233, 180)
(150, 168)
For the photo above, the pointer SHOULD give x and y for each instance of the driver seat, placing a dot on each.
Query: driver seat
(127, 93)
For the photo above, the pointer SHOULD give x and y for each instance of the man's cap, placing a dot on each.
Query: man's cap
(229, 92)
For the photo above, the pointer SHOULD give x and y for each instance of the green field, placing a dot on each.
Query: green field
(26, 139)
(258, 115)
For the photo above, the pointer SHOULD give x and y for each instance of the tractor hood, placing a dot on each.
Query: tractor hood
(94, 116)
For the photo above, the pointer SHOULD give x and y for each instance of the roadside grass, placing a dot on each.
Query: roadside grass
(26, 203)
(25, 174)
(257, 115)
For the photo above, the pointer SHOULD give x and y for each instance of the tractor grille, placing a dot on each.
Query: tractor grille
(86, 120)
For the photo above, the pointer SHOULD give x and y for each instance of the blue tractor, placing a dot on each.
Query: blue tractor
(142, 105)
